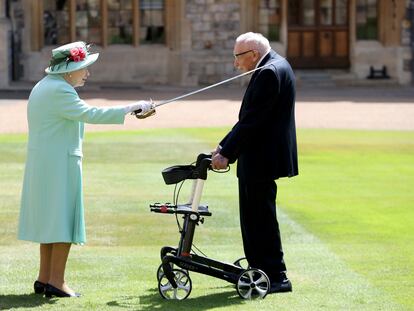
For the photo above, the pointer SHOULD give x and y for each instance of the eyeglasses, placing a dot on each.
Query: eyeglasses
(242, 53)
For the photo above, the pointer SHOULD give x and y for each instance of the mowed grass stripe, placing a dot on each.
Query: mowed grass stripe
(323, 280)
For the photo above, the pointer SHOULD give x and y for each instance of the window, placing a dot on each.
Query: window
(341, 12)
(367, 20)
(325, 12)
(120, 22)
(301, 13)
(308, 12)
(293, 13)
(102, 22)
(88, 21)
(56, 22)
(269, 19)
(152, 21)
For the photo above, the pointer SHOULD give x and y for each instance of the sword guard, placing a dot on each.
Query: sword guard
(139, 115)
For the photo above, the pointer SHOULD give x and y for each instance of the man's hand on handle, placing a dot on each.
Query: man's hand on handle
(214, 152)
(218, 162)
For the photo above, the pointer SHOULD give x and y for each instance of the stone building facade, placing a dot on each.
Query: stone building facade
(190, 42)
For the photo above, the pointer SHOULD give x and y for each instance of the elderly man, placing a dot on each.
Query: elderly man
(264, 143)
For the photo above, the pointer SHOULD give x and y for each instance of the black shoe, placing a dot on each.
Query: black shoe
(51, 291)
(283, 285)
(39, 287)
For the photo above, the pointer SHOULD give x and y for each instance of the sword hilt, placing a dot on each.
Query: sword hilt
(139, 115)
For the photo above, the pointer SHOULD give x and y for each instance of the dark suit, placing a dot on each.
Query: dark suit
(264, 143)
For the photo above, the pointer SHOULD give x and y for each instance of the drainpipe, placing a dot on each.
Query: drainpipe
(410, 14)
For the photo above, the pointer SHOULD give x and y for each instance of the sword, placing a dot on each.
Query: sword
(138, 114)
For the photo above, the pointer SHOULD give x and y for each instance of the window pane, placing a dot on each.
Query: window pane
(114, 4)
(308, 12)
(56, 22)
(371, 8)
(151, 4)
(361, 12)
(366, 19)
(341, 11)
(325, 12)
(120, 22)
(293, 12)
(152, 25)
(269, 19)
(88, 21)
(126, 4)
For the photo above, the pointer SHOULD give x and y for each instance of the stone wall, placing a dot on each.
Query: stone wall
(391, 50)
(407, 44)
(408, 36)
(116, 65)
(215, 24)
(373, 53)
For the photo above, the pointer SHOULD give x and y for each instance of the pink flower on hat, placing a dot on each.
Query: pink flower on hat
(77, 54)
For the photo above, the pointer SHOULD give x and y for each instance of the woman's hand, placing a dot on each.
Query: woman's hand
(141, 109)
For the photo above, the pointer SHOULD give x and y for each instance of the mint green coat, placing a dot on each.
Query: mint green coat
(51, 204)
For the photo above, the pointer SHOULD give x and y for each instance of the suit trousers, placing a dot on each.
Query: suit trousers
(260, 228)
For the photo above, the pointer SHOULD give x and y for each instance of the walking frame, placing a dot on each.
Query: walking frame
(173, 275)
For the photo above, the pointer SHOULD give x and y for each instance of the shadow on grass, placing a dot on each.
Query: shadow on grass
(153, 301)
(29, 301)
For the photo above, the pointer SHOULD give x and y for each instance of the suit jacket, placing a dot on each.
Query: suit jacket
(264, 138)
(51, 205)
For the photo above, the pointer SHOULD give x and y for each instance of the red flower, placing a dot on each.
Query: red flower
(82, 53)
(77, 54)
(74, 52)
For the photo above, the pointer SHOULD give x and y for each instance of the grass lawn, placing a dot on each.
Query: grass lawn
(347, 224)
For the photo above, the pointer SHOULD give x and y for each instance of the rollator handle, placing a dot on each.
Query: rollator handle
(177, 173)
(203, 156)
(202, 166)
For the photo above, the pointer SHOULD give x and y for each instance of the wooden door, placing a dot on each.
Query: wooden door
(318, 33)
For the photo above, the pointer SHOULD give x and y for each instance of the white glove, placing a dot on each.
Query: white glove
(142, 105)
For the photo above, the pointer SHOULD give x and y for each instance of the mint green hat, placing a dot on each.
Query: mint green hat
(70, 57)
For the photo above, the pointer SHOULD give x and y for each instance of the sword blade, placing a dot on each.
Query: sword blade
(213, 85)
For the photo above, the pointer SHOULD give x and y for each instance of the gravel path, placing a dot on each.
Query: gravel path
(386, 108)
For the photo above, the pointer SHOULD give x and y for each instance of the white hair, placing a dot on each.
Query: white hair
(255, 41)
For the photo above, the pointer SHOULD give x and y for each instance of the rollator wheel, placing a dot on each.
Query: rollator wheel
(253, 284)
(184, 286)
(160, 271)
(242, 263)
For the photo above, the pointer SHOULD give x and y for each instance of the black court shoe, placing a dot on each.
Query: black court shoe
(283, 285)
(51, 291)
(39, 287)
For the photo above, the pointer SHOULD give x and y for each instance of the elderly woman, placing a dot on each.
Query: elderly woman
(51, 207)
